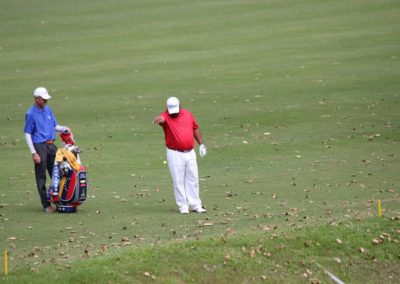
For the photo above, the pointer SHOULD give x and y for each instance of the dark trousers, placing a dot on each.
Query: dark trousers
(47, 153)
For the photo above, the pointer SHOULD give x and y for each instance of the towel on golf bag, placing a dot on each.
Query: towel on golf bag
(69, 183)
(64, 153)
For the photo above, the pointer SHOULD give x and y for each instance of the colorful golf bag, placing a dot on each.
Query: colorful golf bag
(69, 185)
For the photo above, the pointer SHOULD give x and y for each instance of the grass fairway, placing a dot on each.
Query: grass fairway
(345, 250)
(298, 102)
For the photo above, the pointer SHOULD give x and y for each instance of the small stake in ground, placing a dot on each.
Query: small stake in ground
(379, 207)
(5, 262)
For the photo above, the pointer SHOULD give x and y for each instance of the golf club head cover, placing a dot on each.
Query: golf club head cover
(67, 138)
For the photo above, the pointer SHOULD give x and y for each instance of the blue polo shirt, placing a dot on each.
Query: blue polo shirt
(40, 124)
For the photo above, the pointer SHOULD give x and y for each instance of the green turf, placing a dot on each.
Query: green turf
(346, 250)
(298, 102)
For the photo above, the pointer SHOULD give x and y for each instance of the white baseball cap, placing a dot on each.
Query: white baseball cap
(41, 92)
(173, 105)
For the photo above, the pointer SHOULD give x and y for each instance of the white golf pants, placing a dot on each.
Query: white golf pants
(185, 177)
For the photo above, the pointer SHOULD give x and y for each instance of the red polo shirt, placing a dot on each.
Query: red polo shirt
(178, 131)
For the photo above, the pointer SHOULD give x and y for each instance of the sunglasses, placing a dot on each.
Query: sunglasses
(44, 100)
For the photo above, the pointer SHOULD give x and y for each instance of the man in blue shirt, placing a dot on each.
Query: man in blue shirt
(40, 127)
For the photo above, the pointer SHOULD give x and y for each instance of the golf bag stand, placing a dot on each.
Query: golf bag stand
(68, 188)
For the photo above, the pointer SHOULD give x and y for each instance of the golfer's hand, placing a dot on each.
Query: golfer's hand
(36, 158)
(202, 150)
(159, 119)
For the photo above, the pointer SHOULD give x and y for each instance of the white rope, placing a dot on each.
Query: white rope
(333, 277)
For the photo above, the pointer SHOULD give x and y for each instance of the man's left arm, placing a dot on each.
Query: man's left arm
(57, 127)
(199, 139)
(61, 128)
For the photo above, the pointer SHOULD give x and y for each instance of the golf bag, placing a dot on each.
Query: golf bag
(69, 185)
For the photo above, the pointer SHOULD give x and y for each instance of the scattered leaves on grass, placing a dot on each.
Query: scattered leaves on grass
(209, 267)
(252, 252)
(310, 243)
(315, 281)
(225, 222)
(126, 243)
(264, 227)
(223, 238)
(147, 274)
(103, 248)
(372, 137)
(267, 254)
(85, 254)
(382, 238)
(376, 241)
(138, 237)
(229, 232)
(205, 223)
(307, 273)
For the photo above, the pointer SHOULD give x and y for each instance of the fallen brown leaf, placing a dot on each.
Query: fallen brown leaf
(337, 260)
(376, 241)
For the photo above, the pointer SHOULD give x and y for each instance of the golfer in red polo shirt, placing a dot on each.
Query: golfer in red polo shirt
(180, 130)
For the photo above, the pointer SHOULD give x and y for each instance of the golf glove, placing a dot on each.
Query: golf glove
(202, 150)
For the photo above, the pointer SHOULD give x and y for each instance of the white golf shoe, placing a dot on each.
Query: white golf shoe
(184, 210)
(199, 209)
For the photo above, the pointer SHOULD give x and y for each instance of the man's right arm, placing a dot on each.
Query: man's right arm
(159, 120)
(35, 156)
